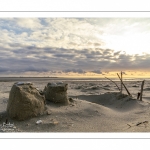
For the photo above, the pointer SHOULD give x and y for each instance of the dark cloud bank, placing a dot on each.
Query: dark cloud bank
(37, 59)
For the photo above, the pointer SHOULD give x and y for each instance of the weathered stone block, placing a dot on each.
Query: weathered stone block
(25, 101)
(56, 92)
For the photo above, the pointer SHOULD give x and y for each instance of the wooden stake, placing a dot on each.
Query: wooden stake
(121, 82)
(138, 95)
(142, 85)
(114, 83)
(124, 85)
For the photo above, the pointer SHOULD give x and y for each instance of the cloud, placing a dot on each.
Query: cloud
(35, 69)
(117, 53)
(96, 71)
(31, 23)
(68, 56)
(74, 71)
(3, 69)
(50, 58)
(52, 44)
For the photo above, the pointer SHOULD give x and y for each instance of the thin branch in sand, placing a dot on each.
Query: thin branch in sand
(124, 85)
(129, 125)
(114, 83)
(142, 85)
(141, 123)
(121, 82)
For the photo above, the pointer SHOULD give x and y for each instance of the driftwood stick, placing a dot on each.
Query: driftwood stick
(142, 85)
(141, 123)
(138, 95)
(124, 85)
(114, 83)
(121, 82)
(129, 125)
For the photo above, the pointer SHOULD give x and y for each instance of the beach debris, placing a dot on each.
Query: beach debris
(143, 122)
(54, 122)
(114, 83)
(137, 124)
(57, 93)
(39, 122)
(124, 86)
(25, 102)
(138, 95)
(121, 82)
(141, 93)
(129, 125)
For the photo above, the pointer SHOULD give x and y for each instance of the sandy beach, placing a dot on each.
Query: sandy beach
(96, 106)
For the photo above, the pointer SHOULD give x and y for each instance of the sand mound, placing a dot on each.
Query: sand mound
(25, 101)
(56, 92)
(135, 85)
(113, 100)
(93, 88)
(107, 85)
(147, 89)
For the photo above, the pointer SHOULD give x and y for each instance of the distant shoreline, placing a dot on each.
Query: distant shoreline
(32, 79)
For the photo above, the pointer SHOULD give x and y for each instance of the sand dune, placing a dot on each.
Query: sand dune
(112, 101)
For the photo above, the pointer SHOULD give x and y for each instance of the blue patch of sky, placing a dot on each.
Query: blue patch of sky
(80, 19)
(43, 22)
(12, 27)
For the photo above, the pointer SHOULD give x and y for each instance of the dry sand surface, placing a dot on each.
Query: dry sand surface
(96, 106)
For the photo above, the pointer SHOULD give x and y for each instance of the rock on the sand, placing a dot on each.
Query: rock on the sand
(25, 102)
(57, 92)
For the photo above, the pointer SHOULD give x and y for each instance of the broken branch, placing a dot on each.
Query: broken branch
(124, 85)
(114, 83)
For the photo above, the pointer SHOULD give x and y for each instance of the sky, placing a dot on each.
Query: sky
(75, 47)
